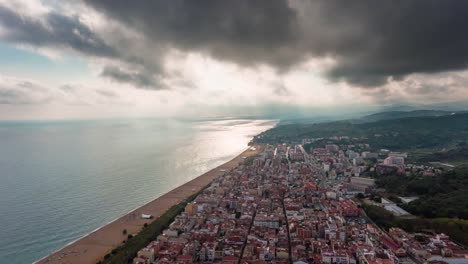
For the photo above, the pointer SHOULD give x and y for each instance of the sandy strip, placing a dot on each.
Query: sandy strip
(92, 247)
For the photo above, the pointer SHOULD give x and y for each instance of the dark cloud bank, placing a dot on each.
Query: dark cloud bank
(370, 40)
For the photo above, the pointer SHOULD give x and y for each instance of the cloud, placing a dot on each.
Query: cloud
(107, 93)
(19, 91)
(242, 31)
(73, 27)
(371, 42)
(280, 89)
(13, 91)
(54, 30)
(393, 38)
(141, 80)
(421, 89)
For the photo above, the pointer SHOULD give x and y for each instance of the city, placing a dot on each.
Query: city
(234, 131)
(288, 206)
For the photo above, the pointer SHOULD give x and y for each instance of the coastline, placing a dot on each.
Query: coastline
(93, 246)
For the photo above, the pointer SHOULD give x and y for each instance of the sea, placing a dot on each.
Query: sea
(60, 180)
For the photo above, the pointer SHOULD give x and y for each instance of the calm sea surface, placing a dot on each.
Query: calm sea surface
(61, 180)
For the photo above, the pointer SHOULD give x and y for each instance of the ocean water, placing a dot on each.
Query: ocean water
(61, 180)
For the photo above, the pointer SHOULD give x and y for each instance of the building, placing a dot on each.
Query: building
(358, 161)
(147, 254)
(393, 160)
(266, 221)
(349, 209)
(363, 181)
(332, 148)
(337, 257)
(398, 154)
(352, 154)
(369, 155)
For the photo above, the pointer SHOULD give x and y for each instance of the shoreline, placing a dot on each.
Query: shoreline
(91, 247)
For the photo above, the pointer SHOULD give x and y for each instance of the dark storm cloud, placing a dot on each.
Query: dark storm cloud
(395, 38)
(243, 31)
(56, 30)
(142, 80)
(370, 40)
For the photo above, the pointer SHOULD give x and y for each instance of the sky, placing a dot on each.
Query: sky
(181, 58)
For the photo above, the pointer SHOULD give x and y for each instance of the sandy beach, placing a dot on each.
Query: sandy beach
(92, 247)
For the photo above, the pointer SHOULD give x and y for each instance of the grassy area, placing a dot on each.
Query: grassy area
(128, 250)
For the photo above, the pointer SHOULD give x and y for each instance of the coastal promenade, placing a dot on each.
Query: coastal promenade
(92, 247)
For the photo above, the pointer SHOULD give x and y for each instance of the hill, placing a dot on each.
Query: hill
(395, 134)
(400, 114)
(426, 138)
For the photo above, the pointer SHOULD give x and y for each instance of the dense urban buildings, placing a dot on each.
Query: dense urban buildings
(289, 206)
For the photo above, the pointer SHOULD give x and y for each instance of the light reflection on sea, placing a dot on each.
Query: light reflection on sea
(60, 180)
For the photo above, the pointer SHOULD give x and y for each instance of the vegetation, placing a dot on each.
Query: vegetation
(128, 250)
(248, 161)
(379, 215)
(400, 114)
(458, 155)
(360, 196)
(453, 205)
(457, 229)
(404, 134)
(444, 195)
(394, 199)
